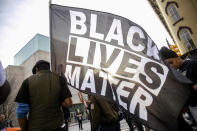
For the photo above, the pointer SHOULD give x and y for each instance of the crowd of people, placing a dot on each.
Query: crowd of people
(44, 100)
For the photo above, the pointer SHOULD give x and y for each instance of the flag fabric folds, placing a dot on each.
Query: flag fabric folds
(112, 57)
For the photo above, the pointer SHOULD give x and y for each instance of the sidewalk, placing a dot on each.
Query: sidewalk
(76, 123)
(86, 126)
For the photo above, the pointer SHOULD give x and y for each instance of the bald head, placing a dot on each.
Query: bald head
(2, 117)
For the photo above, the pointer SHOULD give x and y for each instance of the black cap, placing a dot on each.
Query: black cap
(37, 64)
(167, 53)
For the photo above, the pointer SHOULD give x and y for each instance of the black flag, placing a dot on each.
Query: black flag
(113, 57)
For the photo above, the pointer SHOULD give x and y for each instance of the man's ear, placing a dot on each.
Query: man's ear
(37, 69)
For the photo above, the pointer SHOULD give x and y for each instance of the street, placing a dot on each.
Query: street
(86, 126)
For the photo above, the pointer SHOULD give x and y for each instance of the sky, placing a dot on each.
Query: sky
(20, 20)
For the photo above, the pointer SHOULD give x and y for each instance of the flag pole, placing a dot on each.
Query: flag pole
(167, 43)
(50, 32)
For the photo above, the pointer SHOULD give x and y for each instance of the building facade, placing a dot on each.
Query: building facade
(36, 49)
(179, 18)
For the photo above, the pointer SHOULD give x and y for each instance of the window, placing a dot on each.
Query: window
(187, 39)
(173, 12)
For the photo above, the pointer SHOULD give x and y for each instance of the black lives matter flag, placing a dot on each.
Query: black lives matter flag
(113, 57)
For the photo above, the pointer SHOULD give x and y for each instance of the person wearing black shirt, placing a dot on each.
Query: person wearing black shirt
(4, 85)
(42, 95)
(189, 69)
(3, 122)
(80, 119)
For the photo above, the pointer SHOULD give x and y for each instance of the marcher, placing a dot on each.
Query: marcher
(131, 120)
(10, 123)
(88, 102)
(3, 122)
(66, 116)
(189, 69)
(4, 85)
(42, 95)
(79, 119)
(104, 115)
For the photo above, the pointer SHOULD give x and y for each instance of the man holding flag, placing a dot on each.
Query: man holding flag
(187, 68)
(114, 58)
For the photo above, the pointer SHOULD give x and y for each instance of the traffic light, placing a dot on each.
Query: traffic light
(175, 49)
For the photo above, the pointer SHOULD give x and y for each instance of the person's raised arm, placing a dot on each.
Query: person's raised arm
(65, 96)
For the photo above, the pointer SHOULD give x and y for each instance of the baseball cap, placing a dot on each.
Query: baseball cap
(37, 64)
(167, 53)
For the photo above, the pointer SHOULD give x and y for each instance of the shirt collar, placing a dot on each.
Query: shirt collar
(184, 66)
(43, 71)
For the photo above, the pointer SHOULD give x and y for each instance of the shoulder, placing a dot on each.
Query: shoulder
(192, 70)
(25, 82)
(189, 64)
(31, 77)
(92, 99)
(54, 75)
(193, 62)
